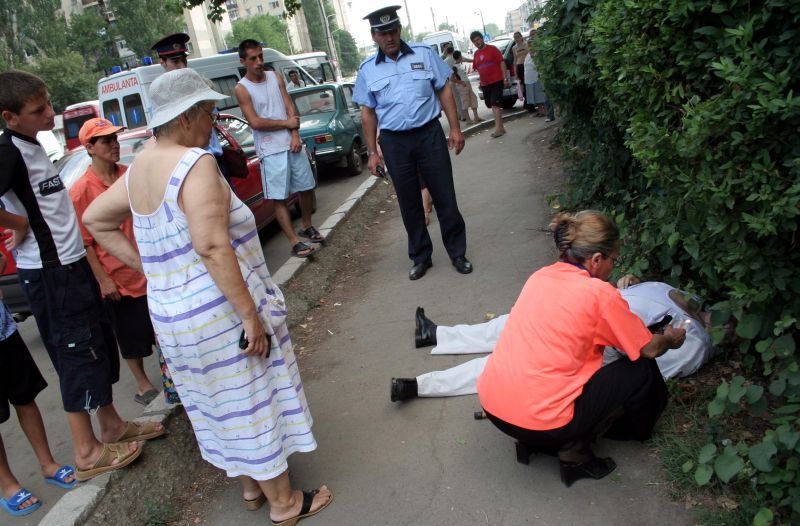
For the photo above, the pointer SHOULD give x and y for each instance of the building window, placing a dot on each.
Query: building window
(275, 5)
(261, 10)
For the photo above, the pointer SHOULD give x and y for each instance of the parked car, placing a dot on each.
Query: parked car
(232, 132)
(506, 46)
(330, 125)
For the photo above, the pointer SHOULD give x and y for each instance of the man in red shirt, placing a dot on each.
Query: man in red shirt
(124, 289)
(492, 70)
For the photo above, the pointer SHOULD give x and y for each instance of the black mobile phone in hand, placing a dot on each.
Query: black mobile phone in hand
(659, 326)
(380, 171)
(244, 342)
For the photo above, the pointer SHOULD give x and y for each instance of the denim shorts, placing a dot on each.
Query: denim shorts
(76, 331)
(285, 173)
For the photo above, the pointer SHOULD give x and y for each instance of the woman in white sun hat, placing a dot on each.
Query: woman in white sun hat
(219, 318)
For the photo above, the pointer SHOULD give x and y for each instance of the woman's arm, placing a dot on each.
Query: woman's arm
(103, 218)
(205, 199)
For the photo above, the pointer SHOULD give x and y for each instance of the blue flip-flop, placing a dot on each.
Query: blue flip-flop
(12, 507)
(60, 478)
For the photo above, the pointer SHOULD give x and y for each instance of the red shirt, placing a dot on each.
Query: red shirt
(85, 190)
(553, 343)
(487, 61)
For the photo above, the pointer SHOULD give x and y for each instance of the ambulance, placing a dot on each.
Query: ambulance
(124, 98)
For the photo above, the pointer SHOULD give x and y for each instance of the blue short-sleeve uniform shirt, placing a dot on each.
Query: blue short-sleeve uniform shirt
(402, 92)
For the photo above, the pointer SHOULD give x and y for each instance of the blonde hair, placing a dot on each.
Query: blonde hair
(579, 236)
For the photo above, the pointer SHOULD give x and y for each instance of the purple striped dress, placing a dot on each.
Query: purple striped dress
(248, 414)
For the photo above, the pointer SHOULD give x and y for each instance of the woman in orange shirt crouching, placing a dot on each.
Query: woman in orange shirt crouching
(544, 384)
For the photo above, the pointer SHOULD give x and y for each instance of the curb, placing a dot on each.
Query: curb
(76, 506)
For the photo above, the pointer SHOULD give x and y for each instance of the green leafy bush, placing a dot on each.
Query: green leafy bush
(682, 119)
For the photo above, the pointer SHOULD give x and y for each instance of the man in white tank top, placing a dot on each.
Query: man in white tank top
(285, 169)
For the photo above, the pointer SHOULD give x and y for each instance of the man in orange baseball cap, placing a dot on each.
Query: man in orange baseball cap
(123, 288)
(96, 128)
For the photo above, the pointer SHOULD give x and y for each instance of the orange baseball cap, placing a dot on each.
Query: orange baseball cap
(95, 128)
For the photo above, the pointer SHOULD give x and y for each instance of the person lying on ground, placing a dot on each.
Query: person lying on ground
(656, 304)
(544, 385)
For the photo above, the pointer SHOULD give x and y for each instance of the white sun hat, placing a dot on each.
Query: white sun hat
(175, 92)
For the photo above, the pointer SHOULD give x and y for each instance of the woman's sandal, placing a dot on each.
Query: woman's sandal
(256, 503)
(302, 250)
(308, 500)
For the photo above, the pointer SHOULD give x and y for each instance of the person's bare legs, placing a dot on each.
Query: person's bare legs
(143, 384)
(475, 112)
(498, 119)
(306, 208)
(285, 220)
(30, 420)
(250, 488)
(87, 448)
(285, 502)
(9, 484)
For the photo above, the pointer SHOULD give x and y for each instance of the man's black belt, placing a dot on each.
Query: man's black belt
(418, 128)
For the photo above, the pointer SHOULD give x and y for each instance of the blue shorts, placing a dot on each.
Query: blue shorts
(285, 173)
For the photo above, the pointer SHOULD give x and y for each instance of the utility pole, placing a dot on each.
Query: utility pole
(331, 44)
(408, 17)
(434, 20)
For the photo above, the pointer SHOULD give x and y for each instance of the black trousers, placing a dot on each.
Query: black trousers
(622, 400)
(421, 154)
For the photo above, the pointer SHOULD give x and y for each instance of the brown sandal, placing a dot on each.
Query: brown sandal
(104, 463)
(141, 431)
(256, 503)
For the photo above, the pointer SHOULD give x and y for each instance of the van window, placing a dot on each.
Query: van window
(134, 111)
(112, 112)
(73, 125)
(226, 86)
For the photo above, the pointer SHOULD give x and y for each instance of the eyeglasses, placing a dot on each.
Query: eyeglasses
(213, 114)
(616, 260)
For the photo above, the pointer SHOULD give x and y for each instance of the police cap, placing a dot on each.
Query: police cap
(384, 19)
(172, 45)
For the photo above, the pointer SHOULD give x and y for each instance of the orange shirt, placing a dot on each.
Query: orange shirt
(553, 343)
(85, 190)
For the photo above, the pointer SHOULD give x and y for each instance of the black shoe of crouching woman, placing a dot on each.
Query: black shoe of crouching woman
(596, 468)
(424, 330)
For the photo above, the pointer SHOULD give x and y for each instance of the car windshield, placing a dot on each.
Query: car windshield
(317, 101)
(74, 164)
(241, 133)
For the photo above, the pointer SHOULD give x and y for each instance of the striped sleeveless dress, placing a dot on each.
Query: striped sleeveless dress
(248, 414)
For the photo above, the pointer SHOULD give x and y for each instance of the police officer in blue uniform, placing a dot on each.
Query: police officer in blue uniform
(172, 51)
(402, 90)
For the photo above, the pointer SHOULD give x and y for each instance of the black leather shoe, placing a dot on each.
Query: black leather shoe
(596, 468)
(462, 265)
(424, 330)
(403, 389)
(419, 270)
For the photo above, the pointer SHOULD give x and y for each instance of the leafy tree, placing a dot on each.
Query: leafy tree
(316, 31)
(68, 78)
(268, 29)
(217, 7)
(444, 26)
(349, 58)
(493, 29)
(140, 23)
(30, 28)
(89, 36)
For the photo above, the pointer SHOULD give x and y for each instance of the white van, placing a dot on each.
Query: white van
(124, 96)
(441, 39)
(317, 64)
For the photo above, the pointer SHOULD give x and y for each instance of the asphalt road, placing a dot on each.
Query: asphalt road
(334, 187)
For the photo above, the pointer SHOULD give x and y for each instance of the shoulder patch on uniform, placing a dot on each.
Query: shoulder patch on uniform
(417, 65)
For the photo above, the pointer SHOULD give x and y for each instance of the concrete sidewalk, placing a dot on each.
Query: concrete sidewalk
(428, 461)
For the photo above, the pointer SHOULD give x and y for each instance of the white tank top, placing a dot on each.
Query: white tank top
(268, 104)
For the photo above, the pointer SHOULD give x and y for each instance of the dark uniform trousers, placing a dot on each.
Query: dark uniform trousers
(421, 153)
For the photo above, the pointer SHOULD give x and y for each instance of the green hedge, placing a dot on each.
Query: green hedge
(682, 119)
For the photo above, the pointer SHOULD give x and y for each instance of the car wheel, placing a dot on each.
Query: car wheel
(355, 164)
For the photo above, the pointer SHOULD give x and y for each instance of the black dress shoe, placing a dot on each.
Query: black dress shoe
(462, 265)
(403, 389)
(424, 330)
(596, 468)
(419, 270)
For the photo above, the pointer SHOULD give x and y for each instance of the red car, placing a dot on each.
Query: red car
(232, 131)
